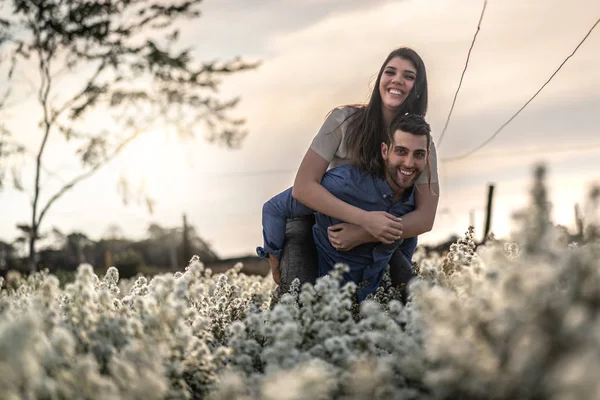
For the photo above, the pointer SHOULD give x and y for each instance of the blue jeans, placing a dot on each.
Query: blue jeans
(299, 256)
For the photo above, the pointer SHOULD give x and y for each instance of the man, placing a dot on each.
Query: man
(405, 156)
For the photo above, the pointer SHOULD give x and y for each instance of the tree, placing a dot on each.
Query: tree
(8, 258)
(8, 146)
(124, 55)
(174, 246)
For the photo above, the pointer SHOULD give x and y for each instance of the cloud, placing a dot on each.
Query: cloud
(240, 27)
(541, 132)
(318, 55)
(333, 62)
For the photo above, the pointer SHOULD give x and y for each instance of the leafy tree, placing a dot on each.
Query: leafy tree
(124, 55)
(174, 246)
(8, 258)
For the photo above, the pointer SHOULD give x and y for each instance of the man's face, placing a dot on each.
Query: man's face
(405, 159)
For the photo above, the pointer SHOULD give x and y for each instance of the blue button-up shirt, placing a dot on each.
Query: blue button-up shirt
(350, 184)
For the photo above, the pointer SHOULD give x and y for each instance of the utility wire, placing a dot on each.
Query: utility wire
(282, 171)
(439, 143)
(547, 150)
(585, 147)
(467, 154)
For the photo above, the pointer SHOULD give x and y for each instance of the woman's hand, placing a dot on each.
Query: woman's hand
(274, 263)
(384, 227)
(345, 237)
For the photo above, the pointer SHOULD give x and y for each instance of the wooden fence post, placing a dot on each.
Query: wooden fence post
(488, 214)
(107, 259)
(186, 243)
(578, 222)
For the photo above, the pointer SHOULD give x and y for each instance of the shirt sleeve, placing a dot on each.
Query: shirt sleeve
(337, 180)
(329, 137)
(275, 212)
(432, 167)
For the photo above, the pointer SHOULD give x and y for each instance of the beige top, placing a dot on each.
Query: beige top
(330, 144)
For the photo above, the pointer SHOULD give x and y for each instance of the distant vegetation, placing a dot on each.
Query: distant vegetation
(506, 320)
(164, 249)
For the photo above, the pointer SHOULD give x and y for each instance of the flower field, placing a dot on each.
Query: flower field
(508, 320)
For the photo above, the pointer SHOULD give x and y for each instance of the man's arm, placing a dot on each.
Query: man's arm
(275, 212)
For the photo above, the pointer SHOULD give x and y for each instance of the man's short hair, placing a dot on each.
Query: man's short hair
(411, 123)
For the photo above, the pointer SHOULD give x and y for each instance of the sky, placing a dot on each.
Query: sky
(317, 55)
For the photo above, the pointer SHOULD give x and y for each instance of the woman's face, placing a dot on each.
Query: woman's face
(397, 80)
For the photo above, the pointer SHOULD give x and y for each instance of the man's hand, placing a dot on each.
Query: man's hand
(274, 263)
(384, 227)
(345, 237)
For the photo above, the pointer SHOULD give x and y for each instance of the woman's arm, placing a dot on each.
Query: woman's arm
(345, 237)
(421, 220)
(308, 190)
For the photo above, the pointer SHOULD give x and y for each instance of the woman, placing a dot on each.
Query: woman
(354, 134)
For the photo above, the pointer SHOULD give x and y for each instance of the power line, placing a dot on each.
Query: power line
(462, 75)
(467, 154)
(548, 150)
(268, 172)
(257, 173)
(594, 146)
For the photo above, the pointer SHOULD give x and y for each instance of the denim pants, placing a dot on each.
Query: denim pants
(299, 256)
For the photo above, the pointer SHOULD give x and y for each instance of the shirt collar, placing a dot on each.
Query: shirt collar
(387, 192)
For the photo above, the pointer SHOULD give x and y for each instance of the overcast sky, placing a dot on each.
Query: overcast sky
(320, 54)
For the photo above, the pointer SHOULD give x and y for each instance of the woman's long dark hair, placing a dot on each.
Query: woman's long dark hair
(366, 128)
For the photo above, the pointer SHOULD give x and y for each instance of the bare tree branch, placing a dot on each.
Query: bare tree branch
(68, 186)
(69, 103)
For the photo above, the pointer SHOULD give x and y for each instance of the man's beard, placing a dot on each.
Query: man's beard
(393, 174)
